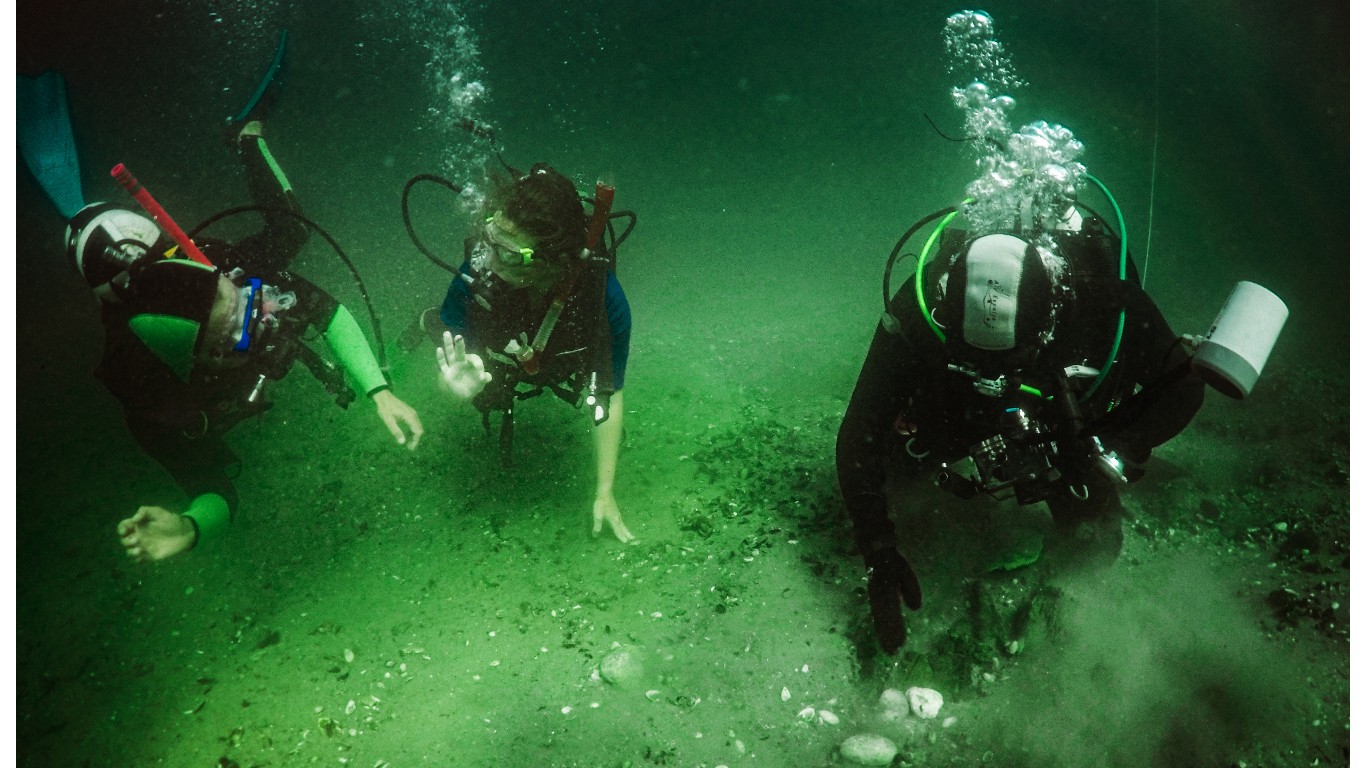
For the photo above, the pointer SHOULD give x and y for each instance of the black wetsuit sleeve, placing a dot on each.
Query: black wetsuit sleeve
(1171, 393)
(867, 436)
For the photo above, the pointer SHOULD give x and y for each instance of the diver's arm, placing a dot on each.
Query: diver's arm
(1172, 393)
(346, 340)
(606, 449)
(862, 445)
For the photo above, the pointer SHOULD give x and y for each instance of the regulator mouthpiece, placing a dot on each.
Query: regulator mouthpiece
(1237, 345)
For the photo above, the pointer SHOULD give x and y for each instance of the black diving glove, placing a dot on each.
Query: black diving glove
(890, 583)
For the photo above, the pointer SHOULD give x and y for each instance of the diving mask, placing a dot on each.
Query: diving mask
(256, 309)
(507, 254)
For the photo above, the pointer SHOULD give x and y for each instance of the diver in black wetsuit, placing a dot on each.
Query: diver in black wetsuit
(1031, 369)
(189, 346)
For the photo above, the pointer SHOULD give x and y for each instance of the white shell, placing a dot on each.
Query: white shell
(349, 655)
(350, 706)
(807, 714)
(786, 693)
(925, 702)
(829, 717)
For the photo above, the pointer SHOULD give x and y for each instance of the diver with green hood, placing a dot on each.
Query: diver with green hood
(195, 330)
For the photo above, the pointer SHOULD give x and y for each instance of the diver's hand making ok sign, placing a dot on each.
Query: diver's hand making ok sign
(463, 374)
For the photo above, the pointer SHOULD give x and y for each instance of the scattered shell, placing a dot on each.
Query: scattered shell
(894, 704)
(349, 655)
(786, 693)
(652, 695)
(868, 749)
(350, 706)
(807, 714)
(829, 717)
(925, 702)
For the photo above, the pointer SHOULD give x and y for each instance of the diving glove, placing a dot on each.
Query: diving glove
(890, 583)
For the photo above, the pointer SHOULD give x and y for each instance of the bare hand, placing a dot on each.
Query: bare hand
(155, 533)
(463, 374)
(397, 414)
(605, 508)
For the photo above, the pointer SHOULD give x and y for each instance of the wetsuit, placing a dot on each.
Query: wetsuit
(907, 391)
(181, 423)
(592, 336)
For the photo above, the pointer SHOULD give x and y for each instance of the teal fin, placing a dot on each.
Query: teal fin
(45, 140)
(262, 87)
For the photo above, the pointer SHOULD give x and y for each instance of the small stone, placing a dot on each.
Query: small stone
(788, 694)
(894, 704)
(349, 655)
(925, 702)
(868, 749)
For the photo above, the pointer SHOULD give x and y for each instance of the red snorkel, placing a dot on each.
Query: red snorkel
(122, 175)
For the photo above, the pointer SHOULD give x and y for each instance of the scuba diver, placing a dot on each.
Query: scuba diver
(536, 306)
(195, 329)
(1024, 359)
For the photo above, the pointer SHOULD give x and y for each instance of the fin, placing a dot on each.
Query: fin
(257, 102)
(45, 140)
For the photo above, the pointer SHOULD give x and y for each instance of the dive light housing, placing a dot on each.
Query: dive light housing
(1232, 356)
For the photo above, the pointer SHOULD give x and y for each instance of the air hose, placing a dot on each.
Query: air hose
(613, 239)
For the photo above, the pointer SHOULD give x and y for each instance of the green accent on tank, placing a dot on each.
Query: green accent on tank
(171, 338)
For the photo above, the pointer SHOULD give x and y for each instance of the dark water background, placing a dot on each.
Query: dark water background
(774, 152)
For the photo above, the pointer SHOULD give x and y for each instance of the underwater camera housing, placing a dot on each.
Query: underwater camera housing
(1021, 460)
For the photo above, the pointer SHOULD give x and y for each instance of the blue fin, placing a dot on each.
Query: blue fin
(45, 140)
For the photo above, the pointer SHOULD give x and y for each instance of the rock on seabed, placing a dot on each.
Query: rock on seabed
(621, 667)
(925, 702)
(868, 749)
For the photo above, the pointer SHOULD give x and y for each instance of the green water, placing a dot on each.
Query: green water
(774, 152)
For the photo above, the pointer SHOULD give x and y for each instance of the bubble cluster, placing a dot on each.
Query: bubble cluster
(985, 117)
(460, 97)
(1030, 177)
(1030, 182)
(975, 54)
